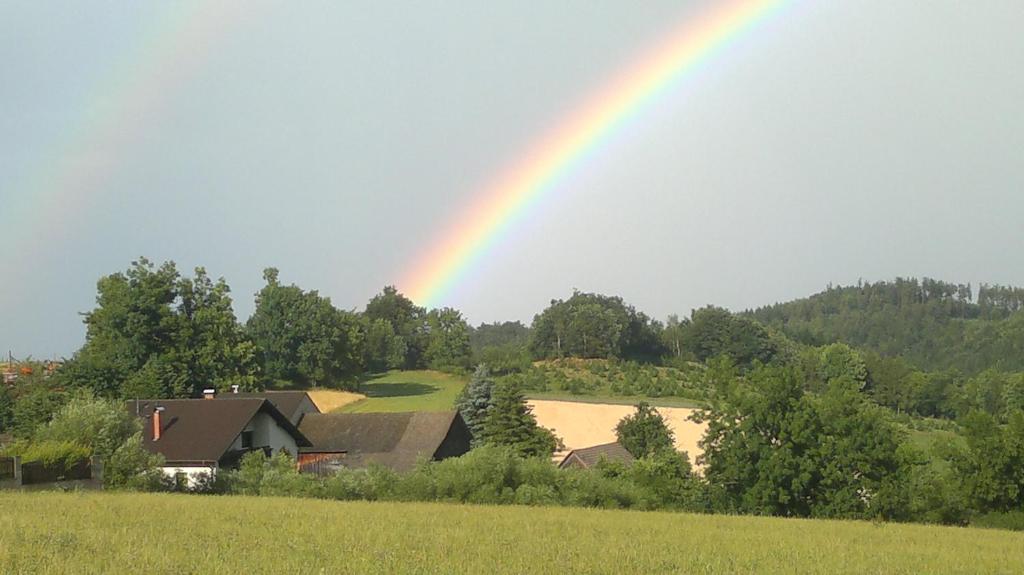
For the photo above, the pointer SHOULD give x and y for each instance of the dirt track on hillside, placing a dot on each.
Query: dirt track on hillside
(588, 424)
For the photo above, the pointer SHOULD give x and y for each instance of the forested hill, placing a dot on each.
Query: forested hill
(933, 324)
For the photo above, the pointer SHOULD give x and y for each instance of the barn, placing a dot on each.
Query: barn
(394, 440)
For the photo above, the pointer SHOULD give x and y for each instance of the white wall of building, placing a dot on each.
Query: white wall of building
(267, 433)
(192, 474)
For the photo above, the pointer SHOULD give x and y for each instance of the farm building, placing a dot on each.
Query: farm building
(199, 436)
(291, 404)
(394, 440)
(588, 457)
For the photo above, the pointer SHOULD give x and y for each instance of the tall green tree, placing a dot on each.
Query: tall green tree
(209, 339)
(712, 332)
(991, 467)
(773, 449)
(447, 341)
(300, 337)
(510, 422)
(408, 322)
(594, 326)
(475, 401)
(644, 432)
(154, 333)
(384, 350)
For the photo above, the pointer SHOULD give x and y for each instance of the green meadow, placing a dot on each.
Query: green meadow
(165, 533)
(408, 391)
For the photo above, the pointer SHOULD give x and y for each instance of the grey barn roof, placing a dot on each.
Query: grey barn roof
(589, 456)
(395, 440)
(201, 430)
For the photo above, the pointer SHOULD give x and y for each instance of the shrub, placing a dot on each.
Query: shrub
(1012, 520)
(131, 466)
(56, 454)
(99, 425)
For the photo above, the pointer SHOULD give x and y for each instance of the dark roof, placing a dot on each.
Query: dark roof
(395, 440)
(287, 402)
(200, 430)
(589, 456)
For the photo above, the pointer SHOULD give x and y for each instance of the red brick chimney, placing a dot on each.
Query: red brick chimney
(156, 423)
(209, 393)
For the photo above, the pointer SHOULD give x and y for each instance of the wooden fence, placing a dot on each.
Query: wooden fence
(83, 474)
(7, 468)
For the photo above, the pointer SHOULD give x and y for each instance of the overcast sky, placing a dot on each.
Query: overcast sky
(838, 140)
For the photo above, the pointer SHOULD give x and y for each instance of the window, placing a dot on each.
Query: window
(246, 440)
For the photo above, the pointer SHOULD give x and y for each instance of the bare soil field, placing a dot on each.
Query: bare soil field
(582, 424)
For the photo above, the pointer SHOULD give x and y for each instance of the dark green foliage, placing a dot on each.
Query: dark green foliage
(447, 341)
(510, 423)
(132, 466)
(713, 332)
(300, 337)
(498, 335)
(93, 427)
(667, 481)
(992, 465)
(475, 401)
(1010, 520)
(408, 323)
(156, 334)
(505, 359)
(99, 425)
(611, 378)
(644, 432)
(258, 474)
(35, 402)
(6, 408)
(772, 449)
(934, 325)
(383, 350)
(487, 475)
(594, 326)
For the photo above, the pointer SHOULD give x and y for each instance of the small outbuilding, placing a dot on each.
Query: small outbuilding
(394, 440)
(588, 457)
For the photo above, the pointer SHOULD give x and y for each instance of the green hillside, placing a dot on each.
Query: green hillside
(935, 325)
(408, 391)
(613, 381)
(149, 533)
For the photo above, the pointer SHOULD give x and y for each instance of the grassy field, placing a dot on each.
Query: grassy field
(408, 391)
(139, 533)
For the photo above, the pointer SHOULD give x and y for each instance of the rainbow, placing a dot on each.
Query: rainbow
(546, 164)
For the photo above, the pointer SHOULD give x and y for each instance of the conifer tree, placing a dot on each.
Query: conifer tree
(475, 400)
(509, 422)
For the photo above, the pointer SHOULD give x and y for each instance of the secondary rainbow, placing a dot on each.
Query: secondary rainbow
(544, 165)
(122, 111)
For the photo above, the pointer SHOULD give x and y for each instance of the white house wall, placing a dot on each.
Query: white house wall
(191, 474)
(267, 433)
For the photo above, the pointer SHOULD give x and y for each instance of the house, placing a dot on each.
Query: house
(200, 436)
(291, 404)
(588, 457)
(394, 440)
